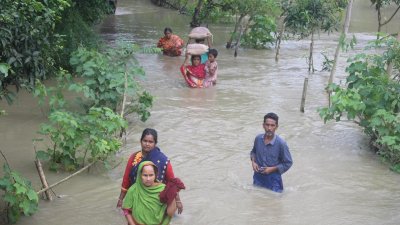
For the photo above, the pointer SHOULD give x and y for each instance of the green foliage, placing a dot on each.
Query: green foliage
(92, 11)
(345, 44)
(261, 32)
(373, 99)
(26, 30)
(74, 31)
(144, 102)
(4, 92)
(104, 77)
(305, 17)
(18, 193)
(74, 135)
(327, 64)
(54, 94)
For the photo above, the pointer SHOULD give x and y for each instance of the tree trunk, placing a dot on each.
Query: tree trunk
(43, 179)
(238, 22)
(379, 23)
(389, 68)
(310, 58)
(196, 20)
(238, 41)
(344, 33)
(278, 46)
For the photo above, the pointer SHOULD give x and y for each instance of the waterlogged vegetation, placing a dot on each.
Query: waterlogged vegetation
(371, 95)
(54, 39)
(19, 195)
(371, 98)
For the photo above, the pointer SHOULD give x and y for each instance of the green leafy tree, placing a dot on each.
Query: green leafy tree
(307, 17)
(26, 30)
(372, 99)
(19, 195)
(76, 136)
(256, 21)
(379, 5)
(110, 76)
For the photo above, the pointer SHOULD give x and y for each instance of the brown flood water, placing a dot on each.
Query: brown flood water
(208, 133)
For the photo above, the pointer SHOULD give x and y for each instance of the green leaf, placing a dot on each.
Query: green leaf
(32, 195)
(42, 155)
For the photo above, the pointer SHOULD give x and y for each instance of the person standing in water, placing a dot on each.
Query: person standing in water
(270, 156)
(211, 68)
(149, 152)
(170, 44)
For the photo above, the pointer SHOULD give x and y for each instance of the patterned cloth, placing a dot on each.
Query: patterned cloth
(143, 202)
(211, 69)
(134, 161)
(155, 156)
(172, 46)
(194, 75)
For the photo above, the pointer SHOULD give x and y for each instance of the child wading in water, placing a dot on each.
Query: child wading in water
(211, 68)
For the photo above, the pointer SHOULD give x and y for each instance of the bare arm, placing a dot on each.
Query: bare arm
(129, 218)
(121, 199)
(171, 208)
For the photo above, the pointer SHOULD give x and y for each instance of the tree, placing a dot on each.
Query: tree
(255, 22)
(196, 14)
(284, 7)
(379, 4)
(343, 37)
(306, 17)
(27, 28)
(371, 99)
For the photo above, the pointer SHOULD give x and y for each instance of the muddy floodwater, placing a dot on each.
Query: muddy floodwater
(207, 133)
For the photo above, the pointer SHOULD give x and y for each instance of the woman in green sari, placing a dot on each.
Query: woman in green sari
(142, 202)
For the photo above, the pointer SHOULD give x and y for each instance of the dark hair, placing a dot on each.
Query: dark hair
(167, 29)
(272, 116)
(199, 40)
(195, 56)
(213, 52)
(149, 131)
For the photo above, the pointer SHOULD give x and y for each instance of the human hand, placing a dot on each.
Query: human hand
(179, 206)
(255, 166)
(267, 169)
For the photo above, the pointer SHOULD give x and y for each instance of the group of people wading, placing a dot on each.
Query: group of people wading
(150, 190)
(200, 67)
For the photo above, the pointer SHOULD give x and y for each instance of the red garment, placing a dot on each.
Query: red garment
(194, 75)
(126, 182)
(171, 190)
(172, 46)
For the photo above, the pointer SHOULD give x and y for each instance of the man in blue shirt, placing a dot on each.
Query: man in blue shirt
(270, 156)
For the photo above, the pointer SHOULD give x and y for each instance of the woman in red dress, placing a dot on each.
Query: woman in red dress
(194, 74)
(170, 44)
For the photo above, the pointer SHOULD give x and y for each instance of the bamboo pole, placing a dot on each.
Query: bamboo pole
(344, 33)
(43, 179)
(303, 98)
(124, 96)
(311, 57)
(67, 178)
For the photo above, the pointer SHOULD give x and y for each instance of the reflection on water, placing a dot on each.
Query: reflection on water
(208, 133)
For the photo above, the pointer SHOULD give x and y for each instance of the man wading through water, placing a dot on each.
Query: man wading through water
(270, 156)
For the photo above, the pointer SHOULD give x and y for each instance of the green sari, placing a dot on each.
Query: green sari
(145, 202)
